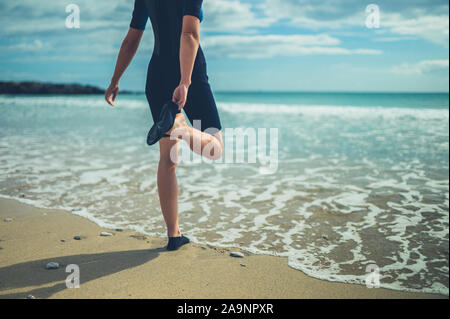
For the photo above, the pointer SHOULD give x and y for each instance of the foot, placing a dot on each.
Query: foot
(177, 242)
(178, 125)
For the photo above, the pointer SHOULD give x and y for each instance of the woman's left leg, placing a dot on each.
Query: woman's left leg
(168, 191)
(168, 185)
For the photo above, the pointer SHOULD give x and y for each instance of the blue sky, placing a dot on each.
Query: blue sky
(277, 45)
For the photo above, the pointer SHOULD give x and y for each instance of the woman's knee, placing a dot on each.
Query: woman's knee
(169, 152)
(167, 164)
(215, 150)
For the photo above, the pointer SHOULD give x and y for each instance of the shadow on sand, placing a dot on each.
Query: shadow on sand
(93, 266)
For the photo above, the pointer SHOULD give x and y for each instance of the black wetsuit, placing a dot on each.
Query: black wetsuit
(164, 68)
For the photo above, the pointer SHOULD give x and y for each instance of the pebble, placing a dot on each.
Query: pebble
(236, 254)
(243, 265)
(22, 195)
(8, 220)
(31, 297)
(63, 241)
(325, 237)
(119, 229)
(77, 237)
(139, 237)
(104, 233)
(52, 265)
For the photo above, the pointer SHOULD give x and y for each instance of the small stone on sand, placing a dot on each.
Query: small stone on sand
(52, 265)
(236, 254)
(77, 237)
(139, 237)
(31, 297)
(105, 234)
(8, 220)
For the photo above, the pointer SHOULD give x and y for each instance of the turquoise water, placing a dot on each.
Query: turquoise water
(360, 178)
(405, 100)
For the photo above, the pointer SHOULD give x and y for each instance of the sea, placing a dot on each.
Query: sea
(349, 187)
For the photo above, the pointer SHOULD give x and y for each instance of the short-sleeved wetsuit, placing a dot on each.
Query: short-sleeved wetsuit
(164, 74)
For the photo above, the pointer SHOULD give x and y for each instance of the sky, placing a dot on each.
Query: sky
(250, 45)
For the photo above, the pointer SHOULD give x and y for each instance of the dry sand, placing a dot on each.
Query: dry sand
(130, 265)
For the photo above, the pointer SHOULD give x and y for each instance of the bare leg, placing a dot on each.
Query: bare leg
(168, 186)
(201, 143)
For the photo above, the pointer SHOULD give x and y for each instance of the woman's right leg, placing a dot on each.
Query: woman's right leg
(202, 143)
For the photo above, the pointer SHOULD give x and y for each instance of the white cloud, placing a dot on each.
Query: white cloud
(393, 39)
(267, 46)
(104, 24)
(425, 66)
(25, 17)
(429, 21)
(316, 14)
(232, 16)
(34, 46)
(432, 28)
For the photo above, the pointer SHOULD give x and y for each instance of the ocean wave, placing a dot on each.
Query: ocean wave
(71, 101)
(355, 112)
(319, 110)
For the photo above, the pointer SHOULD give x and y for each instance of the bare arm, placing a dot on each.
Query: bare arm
(127, 51)
(189, 43)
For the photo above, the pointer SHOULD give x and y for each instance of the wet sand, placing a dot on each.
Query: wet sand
(131, 265)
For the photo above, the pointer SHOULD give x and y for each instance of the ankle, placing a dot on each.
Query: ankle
(176, 233)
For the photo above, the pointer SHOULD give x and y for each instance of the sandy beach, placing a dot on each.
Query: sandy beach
(131, 265)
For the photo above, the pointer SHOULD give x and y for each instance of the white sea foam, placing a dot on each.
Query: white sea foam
(351, 112)
(64, 101)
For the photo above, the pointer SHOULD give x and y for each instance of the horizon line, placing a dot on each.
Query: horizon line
(128, 91)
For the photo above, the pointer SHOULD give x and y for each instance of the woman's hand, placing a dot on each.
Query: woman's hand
(180, 95)
(113, 90)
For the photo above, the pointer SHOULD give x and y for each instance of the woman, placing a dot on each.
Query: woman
(177, 72)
